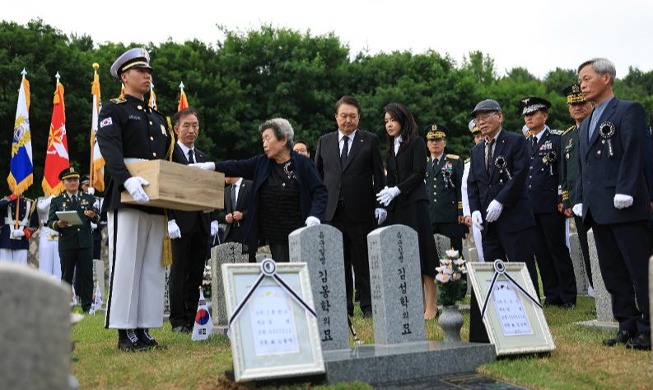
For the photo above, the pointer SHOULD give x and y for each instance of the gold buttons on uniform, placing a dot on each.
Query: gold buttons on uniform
(154, 154)
(151, 138)
(150, 123)
(139, 107)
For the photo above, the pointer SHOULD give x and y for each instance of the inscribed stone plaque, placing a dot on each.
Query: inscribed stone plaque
(603, 299)
(98, 276)
(579, 264)
(35, 327)
(442, 244)
(396, 284)
(227, 253)
(321, 248)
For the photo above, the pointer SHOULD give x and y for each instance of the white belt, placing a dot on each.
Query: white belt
(9, 221)
(130, 160)
(46, 231)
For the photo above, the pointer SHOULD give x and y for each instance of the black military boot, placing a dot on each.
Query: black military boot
(146, 340)
(128, 341)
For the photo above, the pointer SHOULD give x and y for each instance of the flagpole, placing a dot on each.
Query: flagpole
(91, 173)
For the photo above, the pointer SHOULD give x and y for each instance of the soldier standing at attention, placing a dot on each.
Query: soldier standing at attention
(131, 131)
(444, 175)
(467, 214)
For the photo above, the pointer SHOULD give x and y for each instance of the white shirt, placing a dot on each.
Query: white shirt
(397, 143)
(341, 141)
(236, 187)
(185, 149)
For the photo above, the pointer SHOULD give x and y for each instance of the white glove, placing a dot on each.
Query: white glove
(312, 221)
(17, 233)
(208, 166)
(387, 195)
(214, 227)
(134, 185)
(173, 229)
(380, 215)
(93, 225)
(91, 191)
(578, 209)
(622, 201)
(477, 220)
(494, 211)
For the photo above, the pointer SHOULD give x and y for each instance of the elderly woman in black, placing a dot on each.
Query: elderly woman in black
(287, 191)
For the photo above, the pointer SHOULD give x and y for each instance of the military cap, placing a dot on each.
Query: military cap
(473, 127)
(437, 132)
(486, 105)
(531, 104)
(85, 179)
(69, 173)
(574, 95)
(132, 58)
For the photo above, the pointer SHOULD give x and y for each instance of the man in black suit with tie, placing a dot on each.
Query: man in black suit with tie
(235, 212)
(497, 190)
(349, 161)
(189, 230)
(612, 197)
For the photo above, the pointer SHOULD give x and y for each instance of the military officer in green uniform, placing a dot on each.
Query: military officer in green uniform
(579, 109)
(75, 240)
(444, 173)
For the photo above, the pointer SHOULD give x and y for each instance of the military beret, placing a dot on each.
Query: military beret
(437, 132)
(132, 58)
(531, 104)
(486, 105)
(69, 173)
(574, 95)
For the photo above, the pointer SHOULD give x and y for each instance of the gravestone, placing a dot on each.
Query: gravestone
(442, 244)
(579, 264)
(98, 275)
(603, 299)
(230, 252)
(396, 285)
(321, 248)
(35, 351)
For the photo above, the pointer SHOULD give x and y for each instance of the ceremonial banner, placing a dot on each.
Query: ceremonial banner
(97, 161)
(21, 171)
(183, 101)
(56, 157)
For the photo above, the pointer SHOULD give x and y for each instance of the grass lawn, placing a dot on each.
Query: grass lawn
(578, 362)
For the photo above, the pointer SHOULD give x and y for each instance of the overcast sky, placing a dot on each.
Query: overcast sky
(538, 35)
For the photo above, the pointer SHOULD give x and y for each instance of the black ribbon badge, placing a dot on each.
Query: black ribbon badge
(501, 163)
(607, 130)
(549, 159)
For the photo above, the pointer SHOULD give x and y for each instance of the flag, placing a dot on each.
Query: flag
(183, 101)
(152, 102)
(97, 299)
(21, 170)
(97, 160)
(56, 155)
(203, 324)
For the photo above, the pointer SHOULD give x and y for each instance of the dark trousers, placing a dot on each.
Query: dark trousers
(511, 246)
(553, 259)
(623, 251)
(354, 246)
(451, 230)
(79, 263)
(186, 273)
(582, 229)
(280, 252)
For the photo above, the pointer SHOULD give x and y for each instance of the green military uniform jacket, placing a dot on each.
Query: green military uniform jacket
(73, 236)
(568, 165)
(443, 188)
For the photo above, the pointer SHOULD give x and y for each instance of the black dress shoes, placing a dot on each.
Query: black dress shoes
(146, 340)
(622, 337)
(128, 341)
(641, 341)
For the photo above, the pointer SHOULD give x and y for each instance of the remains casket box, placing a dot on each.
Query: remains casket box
(177, 186)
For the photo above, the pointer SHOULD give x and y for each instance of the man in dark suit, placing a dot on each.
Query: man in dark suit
(444, 174)
(349, 161)
(497, 190)
(612, 196)
(235, 212)
(190, 232)
(75, 241)
(551, 251)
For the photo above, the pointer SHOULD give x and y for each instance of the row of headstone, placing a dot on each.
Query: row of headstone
(602, 298)
(578, 261)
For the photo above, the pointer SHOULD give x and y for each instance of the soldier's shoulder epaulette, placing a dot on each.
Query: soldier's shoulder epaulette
(453, 156)
(118, 100)
(556, 132)
(571, 128)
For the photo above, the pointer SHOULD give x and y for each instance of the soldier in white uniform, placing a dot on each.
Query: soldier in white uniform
(49, 262)
(467, 214)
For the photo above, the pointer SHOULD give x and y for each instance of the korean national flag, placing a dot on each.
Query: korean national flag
(203, 324)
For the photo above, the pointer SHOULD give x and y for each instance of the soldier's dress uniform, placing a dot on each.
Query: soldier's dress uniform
(131, 131)
(443, 189)
(14, 238)
(476, 233)
(75, 241)
(551, 252)
(49, 261)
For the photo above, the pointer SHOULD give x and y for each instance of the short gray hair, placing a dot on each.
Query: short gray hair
(282, 128)
(601, 66)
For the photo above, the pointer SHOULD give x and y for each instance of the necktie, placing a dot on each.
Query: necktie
(234, 200)
(533, 143)
(488, 155)
(73, 200)
(191, 156)
(435, 163)
(345, 151)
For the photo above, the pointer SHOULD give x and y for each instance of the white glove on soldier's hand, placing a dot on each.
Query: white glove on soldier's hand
(622, 201)
(380, 215)
(93, 225)
(578, 209)
(386, 195)
(214, 227)
(134, 185)
(173, 229)
(91, 191)
(312, 221)
(477, 220)
(207, 166)
(17, 233)
(494, 211)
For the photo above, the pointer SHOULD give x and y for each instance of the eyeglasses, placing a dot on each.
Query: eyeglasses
(484, 116)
